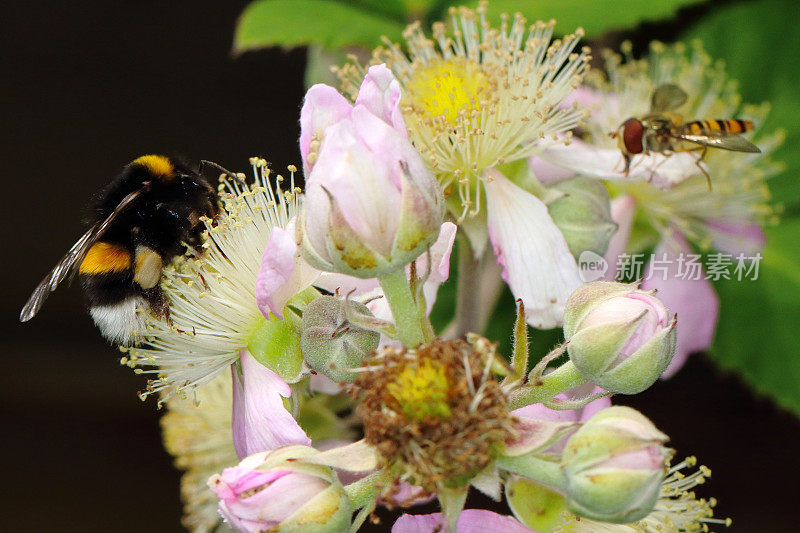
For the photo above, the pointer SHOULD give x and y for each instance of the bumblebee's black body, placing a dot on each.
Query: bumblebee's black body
(141, 221)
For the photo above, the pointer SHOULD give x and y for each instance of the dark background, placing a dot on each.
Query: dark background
(88, 86)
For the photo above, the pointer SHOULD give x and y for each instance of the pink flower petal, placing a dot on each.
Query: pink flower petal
(693, 301)
(586, 97)
(537, 264)
(440, 253)
(380, 93)
(583, 414)
(470, 521)
(361, 183)
(322, 107)
(622, 210)
(605, 163)
(546, 172)
(737, 237)
(283, 273)
(260, 420)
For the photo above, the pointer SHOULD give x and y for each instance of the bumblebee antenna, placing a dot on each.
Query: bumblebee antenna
(204, 163)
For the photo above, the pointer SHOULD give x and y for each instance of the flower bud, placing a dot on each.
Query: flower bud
(332, 344)
(619, 337)
(372, 205)
(271, 491)
(614, 466)
(583, 214)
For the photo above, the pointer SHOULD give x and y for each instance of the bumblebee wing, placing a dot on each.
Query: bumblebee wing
(735, 143)
(69, 263)
(667, 97)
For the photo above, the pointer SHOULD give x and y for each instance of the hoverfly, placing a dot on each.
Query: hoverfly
(663, 131)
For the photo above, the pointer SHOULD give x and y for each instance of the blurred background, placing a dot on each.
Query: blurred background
(88, 87)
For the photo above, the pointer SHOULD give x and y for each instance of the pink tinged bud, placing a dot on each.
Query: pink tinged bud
(268, 491)
(619, 337)
(380, 93)
(374, 205)
(614, 466)
(260, 421)
(693, 300)
(322, 107)
(254, 501)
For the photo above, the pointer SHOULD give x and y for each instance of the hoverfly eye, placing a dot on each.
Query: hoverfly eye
(632, 131)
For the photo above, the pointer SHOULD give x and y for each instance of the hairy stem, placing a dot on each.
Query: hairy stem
(409, 322)
(562, 379)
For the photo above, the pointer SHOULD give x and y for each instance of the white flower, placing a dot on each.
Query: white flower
(725, 215)
(212, 297)
(477, 97)
(197, 432)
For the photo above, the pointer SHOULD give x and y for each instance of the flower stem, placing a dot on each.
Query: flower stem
(561, 379)
(467, 291)
(407, 319)
(530, 466)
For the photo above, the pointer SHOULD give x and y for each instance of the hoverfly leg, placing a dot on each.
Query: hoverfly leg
(703, 150)
(656, 167)
(700, 166)
(627, 159)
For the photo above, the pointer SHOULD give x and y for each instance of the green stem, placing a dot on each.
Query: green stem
(530, 466)
(467, 317)
(561, 379)
(407, 319)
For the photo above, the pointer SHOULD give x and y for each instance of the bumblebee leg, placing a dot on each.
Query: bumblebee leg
(158, 303)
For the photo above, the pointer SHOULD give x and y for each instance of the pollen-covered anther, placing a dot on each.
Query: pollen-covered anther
(436, 414)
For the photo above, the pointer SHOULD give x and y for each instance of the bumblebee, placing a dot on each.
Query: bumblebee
(149, 214)
(663, 131)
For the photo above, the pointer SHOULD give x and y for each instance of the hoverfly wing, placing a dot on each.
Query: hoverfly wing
(735, 143)
(69, 263)
(667, 97)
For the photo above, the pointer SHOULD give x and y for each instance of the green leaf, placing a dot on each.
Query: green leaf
(595, 16)
(332, 24)
(744, 35)
(757, 332)
(756, 335)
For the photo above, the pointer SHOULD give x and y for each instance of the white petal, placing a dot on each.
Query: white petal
(536, 261)
(663, 171)
(260, 421)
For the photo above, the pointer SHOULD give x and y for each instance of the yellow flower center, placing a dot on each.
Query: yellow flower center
(448, 89)
(422, 391)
